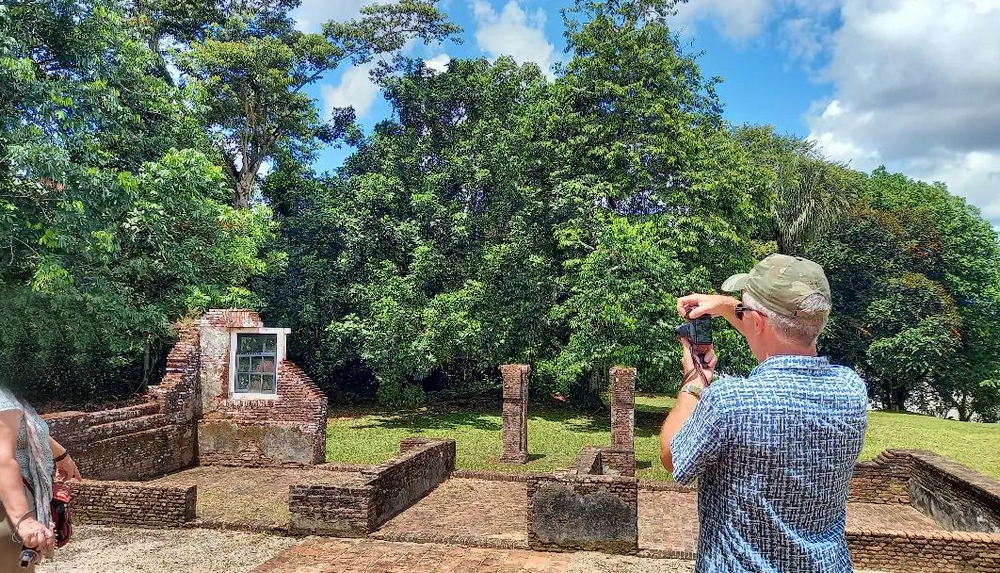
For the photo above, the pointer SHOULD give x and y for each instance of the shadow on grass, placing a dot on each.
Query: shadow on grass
(646, 423)
(426, 421)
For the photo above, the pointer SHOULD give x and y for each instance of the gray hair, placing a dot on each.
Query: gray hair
(800, 329)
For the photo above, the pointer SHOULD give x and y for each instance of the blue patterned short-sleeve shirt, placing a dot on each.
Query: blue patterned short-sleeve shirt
(773, 454)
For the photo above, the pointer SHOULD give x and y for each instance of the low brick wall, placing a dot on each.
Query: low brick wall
(142, 441)
(886, 479)
(341, 510)
(135, 504)
(937, 552)
(589, 512)
(618, 461)
(379, 493)
(956, 496)
(588, 461)
(398, 483)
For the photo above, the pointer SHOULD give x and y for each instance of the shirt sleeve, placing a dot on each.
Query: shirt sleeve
(699, 442)
(7, 401)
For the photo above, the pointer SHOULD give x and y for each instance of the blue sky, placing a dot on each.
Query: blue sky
(911, 84)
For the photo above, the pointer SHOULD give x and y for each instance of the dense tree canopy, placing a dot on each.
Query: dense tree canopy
(497, 215)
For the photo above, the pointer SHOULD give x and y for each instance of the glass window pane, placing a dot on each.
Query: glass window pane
(256, 381)
(270, 343)
(244, 343)
(266, 366)
(243, 364)
(267, 383)
(243, 383)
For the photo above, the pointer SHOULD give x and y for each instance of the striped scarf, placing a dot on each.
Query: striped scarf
(39, 476)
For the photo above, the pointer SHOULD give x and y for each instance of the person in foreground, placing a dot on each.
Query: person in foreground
(773, 453)
(27, 466)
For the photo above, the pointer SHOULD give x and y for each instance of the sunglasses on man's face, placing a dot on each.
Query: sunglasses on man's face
(742, 308)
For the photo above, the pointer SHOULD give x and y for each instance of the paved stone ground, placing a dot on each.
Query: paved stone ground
(373, 556)
(669, 520)
(249, 498)
(462, 508)
(493, 514)
(96, 549)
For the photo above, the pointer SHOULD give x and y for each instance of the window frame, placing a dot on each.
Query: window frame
(279, 357)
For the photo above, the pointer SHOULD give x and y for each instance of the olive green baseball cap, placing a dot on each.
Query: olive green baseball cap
(781, 283)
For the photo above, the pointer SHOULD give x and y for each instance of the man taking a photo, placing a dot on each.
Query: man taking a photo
(773, 453)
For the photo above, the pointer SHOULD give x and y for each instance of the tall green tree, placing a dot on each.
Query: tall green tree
(640, 153)
(914, 275)
(429, 257)
(809, 194)
(250, 67)
(110, 212)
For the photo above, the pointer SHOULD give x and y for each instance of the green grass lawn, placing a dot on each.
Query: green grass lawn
(555, 436)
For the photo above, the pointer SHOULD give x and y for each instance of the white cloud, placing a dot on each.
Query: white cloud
(438, 63)
(738, 21)
(515, 33)
(803, 39)
(916, 89)
(356, 89)
(312, 14)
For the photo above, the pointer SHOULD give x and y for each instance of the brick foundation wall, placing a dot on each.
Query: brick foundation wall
(420, 467)
(135, 504)
(342, 510)
(288, 430)
(142, 441)
(618, 461)
(886, 479)
(380, 492)
(937, 552)
(593, 513)
(515, 413)
(956, 496)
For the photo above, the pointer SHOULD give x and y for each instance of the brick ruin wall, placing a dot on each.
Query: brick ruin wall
(583, 512)
(379, 493)
(135, 504)
(142, 441)
(954, 495)
(185, 421)
(289, 430)
(886, 479)
(514, 433)
(963, 501)
(936, 552)
(588, 462)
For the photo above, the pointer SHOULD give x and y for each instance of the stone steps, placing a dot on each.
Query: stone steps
(126, 426)
(128, 412)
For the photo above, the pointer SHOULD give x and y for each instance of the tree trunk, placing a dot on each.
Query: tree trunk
(243, 191)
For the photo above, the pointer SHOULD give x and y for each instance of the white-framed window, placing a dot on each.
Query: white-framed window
(255, 358)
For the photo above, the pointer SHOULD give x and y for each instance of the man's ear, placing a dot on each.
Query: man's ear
(759, 323)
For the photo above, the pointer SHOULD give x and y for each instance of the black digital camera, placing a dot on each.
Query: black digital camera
(698, 330)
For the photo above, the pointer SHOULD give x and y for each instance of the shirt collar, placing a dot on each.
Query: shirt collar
(790, 362)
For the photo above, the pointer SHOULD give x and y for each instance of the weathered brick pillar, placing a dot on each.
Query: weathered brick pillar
(515, 413)
(623, 407)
